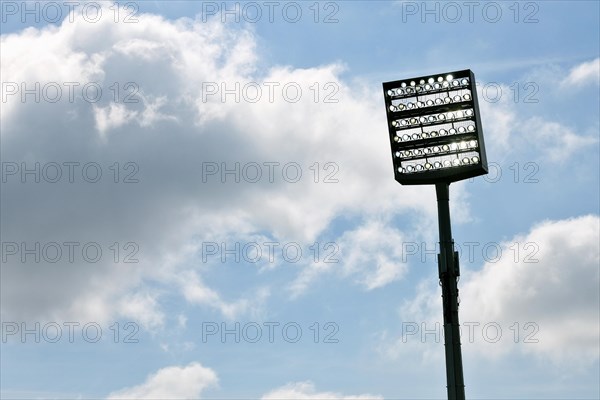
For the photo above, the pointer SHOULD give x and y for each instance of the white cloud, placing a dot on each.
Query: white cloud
(559, 294)
(307, 391)
(499, 118)
(585, 73)
(196, 292)
(372, 255)
(142, 307)
(508, 131)
(169, 133)
(113, 116)
(547, 278)
(171, 383)
(555, 141)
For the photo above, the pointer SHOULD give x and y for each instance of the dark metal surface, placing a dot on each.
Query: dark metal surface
(448, 273)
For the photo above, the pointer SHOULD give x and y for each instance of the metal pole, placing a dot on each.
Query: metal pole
(449, 272)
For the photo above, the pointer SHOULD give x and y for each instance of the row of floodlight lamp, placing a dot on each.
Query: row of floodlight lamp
(430, 103)
(456, 162)
(432, 84)
(438, 150)
(426, 135)
(448, 116)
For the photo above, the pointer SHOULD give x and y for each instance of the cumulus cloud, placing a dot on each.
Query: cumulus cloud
(559, 293)
(546, 280)
(178, 155)
(307, 391)
(143, 108)
(174, 382)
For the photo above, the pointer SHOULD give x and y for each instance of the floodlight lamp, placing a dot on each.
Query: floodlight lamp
(435, 128)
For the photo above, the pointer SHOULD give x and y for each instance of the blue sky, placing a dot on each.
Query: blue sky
(144, 207)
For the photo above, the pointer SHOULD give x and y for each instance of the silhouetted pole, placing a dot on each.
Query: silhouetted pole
(449, 272)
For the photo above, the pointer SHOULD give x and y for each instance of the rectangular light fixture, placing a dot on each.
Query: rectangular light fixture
(435, 128)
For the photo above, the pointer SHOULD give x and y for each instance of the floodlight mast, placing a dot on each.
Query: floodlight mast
(449, 272)
(436, 138)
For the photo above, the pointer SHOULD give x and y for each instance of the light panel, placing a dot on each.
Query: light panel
(435, 128)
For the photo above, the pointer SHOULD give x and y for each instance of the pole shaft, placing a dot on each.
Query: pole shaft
(449, 272)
